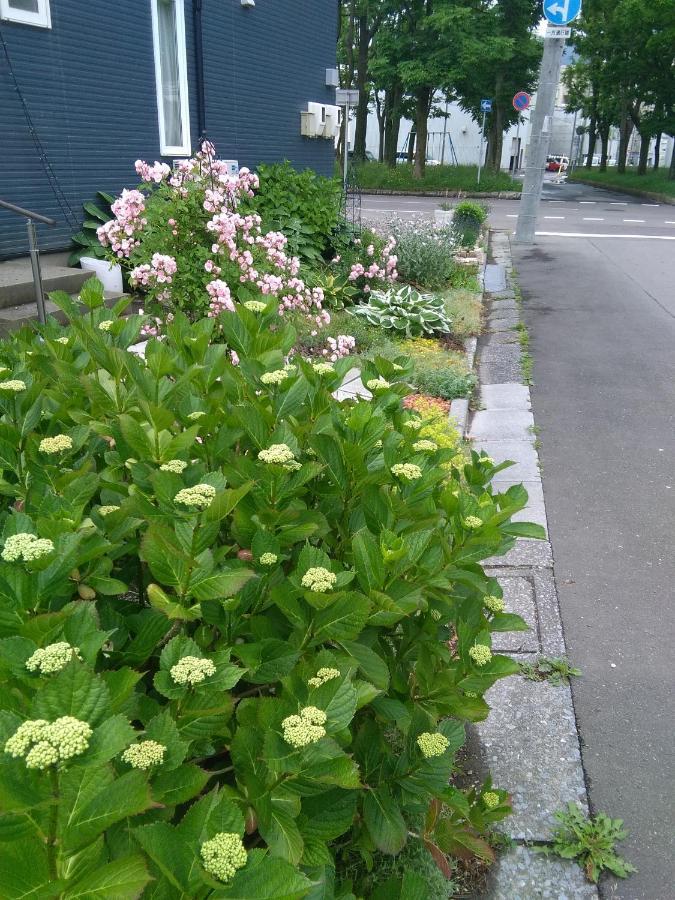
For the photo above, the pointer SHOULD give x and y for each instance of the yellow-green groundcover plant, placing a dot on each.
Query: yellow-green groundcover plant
(242, 623)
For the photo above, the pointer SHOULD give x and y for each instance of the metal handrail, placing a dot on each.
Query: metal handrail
(27, 213)
(31, 218)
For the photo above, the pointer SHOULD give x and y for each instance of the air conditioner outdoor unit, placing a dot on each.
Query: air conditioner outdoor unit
(307, 126)
(332, 124)
(319, 112)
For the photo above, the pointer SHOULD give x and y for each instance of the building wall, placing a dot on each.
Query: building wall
(89, 86)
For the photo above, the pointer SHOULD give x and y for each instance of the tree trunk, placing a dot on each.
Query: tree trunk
(644, 153)
(495, 139)
(657, 150)
(381, 113)
(412, 139)
(392, 124)
(604, 147)
(422, 100)
(625, 131)
(592, 138)
(361, 125)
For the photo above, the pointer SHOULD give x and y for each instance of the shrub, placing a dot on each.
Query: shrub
(186, 244)
(272, 604)
(436, 178)
(467, 221)
(86, 238)
(424, 252)
(304, 206)
(405, 311)
(366, 261)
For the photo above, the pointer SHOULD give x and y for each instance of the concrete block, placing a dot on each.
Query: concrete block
(527, 552)
(521, 873)
(505, 396)
(502, 424)
(529, 743)
(519, 596)
(522, 453)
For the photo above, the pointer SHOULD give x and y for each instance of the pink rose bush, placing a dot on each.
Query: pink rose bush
(185, 242)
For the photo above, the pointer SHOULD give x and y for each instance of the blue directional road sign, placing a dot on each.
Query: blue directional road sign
(486, 105)
(561, 12)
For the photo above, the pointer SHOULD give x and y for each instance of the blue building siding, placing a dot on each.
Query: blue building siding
(89, 86)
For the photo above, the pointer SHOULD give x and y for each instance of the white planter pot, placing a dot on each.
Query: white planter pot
(443, 216)
(109, 274)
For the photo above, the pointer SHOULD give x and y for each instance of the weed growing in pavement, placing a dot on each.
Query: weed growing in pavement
(555, 671)
(590, 841)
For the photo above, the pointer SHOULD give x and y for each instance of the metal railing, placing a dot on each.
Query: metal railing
(31, 218)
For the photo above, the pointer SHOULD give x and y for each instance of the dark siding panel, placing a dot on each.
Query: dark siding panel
(89, 84)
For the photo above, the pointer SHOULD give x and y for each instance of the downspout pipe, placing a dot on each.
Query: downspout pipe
(199, 68)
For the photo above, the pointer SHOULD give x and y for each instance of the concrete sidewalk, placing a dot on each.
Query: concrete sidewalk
(529, 743)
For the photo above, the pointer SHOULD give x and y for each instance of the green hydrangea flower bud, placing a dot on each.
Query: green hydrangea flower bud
(432, 744)
(480, 654)
(223, 855)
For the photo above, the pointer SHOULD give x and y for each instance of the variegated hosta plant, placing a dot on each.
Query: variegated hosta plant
(405, 310)
(242, 623)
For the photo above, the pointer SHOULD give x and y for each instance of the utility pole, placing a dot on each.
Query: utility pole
(540, 138)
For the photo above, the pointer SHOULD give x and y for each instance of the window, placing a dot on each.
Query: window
(168, 32)
(30, 12)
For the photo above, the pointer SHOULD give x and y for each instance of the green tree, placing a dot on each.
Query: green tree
(497, 55)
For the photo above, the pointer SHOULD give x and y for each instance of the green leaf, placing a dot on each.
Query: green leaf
(168, 563)
(219, 585)
(75, 691)
(281, 835)
(508, 622)
(330, 453)
(368, 561)
(126, 796)
(122, 879)
(169, 851)
(371, 665)
(24, 871)
(384, 821)
(291, 401)
(225, 501)
(266, 878)
(179, 785)
(343, 620)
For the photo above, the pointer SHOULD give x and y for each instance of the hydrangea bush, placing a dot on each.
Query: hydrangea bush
(256, 663)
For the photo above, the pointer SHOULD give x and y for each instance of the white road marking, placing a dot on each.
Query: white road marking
(591, 219)
(650, 204)
(641, 221)
(588, 202)
(668, 222)
(638, 237)
(554, 217)
(618, 202)
(511, 215)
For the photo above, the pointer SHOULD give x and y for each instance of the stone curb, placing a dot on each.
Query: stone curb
(619, 188)
(459, 407)
(490, 195)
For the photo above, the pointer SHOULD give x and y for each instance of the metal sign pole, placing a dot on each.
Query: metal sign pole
(480, 152)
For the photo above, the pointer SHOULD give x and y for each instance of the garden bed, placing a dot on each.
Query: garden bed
(244, 623)
(652, 186)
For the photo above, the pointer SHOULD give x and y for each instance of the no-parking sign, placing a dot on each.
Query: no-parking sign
(521, 101)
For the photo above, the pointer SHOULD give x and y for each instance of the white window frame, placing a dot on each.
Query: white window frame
(165, 148)
(40, 19)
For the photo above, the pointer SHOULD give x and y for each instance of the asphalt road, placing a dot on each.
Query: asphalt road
(570, 209)
(601, 315)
